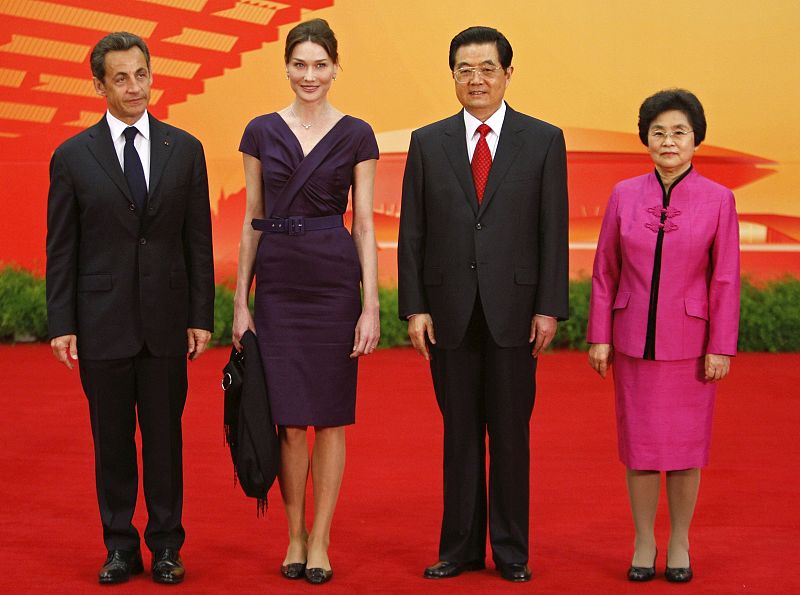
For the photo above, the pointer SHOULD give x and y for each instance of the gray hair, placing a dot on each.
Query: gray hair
(115, 42)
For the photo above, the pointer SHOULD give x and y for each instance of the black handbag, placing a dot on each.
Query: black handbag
(249, 431)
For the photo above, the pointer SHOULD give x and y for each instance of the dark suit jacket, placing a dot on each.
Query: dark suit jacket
(514, 249)
(118, 278)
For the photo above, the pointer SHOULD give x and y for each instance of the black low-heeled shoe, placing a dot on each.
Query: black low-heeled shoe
(641, 574)
(318, 576)
(679, 575)
(294, 571)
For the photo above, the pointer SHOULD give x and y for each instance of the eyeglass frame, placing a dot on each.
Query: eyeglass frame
(481, 71)
(661, 136)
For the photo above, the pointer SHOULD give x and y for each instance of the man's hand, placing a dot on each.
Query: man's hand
(420, 331)
(717, 367)
(600, 357)
(198, 339)
(543, 329)
(65, 348)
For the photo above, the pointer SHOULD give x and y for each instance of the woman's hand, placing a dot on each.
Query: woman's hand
(717, 367)
(242, 322)
(600, 357)
(368, 332)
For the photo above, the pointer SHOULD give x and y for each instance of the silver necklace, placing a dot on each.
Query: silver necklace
(303, 124)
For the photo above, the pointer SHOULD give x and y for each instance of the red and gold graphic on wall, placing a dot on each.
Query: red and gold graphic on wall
(216, 62)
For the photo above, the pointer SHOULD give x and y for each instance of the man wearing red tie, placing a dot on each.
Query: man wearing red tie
(483, 279)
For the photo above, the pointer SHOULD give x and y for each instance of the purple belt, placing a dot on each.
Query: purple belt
(297, 226)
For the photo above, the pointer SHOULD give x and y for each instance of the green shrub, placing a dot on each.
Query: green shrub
(23, 310)
(770, 316)
(770, 319)
(394, 331)
(572, 333)
(223, 316)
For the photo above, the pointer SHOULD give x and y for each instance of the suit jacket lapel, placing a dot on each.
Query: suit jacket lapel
(101, 146)
(161, 145)
(454, 142)
(507, 150)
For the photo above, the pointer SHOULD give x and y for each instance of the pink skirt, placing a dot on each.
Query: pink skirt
(664, 413)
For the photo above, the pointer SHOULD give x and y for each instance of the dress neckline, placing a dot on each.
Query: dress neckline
(297, 140)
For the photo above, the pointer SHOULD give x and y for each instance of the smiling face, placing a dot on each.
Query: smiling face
(670, 141)
(481, 96)
(311, 71)
(126, 84)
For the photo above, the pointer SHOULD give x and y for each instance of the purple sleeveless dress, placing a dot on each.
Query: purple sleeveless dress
(308, 299)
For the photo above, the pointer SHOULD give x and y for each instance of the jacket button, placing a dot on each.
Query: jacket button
(478, 226)
(473, 265)
(142, 241)
(131, 206)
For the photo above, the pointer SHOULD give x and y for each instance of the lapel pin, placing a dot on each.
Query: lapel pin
(166, 143)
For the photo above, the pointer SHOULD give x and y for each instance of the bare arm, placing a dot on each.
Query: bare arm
(368, 328)
(254, 209)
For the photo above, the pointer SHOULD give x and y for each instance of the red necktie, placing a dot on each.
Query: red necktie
(481, 162)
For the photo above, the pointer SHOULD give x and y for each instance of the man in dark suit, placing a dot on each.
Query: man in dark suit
(130, 286)
(483, 279)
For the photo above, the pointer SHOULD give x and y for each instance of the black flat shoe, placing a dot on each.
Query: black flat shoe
(679, 575)
(119, 566)
(294, 571)
(167, 567)
(445, 569)
(318, 576)
(516, 573)
(641, 574)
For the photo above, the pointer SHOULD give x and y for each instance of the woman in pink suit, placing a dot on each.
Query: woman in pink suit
(665, 310)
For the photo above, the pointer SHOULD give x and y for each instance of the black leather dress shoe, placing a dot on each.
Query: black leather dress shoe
(516, 573)
(167, 567)
(294, 570)
(119, 566)
(318, 576)
(445, 569)
(641, 574)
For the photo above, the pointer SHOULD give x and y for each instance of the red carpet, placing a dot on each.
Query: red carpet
(745, 533)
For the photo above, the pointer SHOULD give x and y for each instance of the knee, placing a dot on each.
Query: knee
(293, 436)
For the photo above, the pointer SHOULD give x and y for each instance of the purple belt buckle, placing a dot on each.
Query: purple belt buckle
(295, 226)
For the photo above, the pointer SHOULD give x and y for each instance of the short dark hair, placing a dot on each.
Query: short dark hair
(479, 35)
(316, 31)
(673, 99)
(115, 42)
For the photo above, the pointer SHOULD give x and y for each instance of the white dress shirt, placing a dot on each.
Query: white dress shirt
(141, 142)
(495, 122)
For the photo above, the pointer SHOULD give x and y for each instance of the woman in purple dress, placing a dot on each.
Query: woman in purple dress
(316, 299)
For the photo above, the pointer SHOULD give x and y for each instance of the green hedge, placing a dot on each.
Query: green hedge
(770, 319)
(23, 310)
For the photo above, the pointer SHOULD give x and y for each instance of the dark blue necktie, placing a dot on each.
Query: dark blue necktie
(134, 172)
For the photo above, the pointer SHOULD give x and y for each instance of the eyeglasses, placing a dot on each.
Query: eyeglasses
(464, 75)
(678, 136)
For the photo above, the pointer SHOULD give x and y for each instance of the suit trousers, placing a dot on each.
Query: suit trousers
(484, 388)
(154, 390)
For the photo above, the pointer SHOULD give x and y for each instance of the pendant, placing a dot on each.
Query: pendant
(306, 126)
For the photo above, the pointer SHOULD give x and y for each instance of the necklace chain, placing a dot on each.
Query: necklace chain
(303, 124)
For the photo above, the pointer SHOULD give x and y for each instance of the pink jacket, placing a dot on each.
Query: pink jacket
(698, 298)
